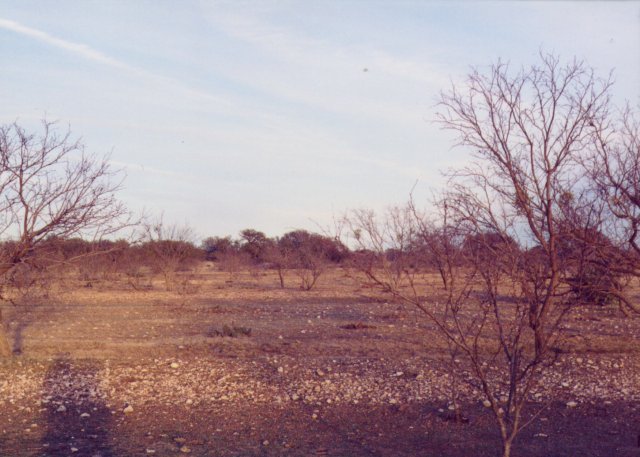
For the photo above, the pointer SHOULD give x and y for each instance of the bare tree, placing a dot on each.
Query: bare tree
(50, 187)
(279, 256)
(309, 255)
(172, 249)
(397, 252)
(614, 171)
(527, 131)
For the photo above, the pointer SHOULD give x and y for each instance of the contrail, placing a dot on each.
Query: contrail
(77, 48)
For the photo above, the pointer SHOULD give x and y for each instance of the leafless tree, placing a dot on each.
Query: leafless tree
(309, 255)
(614, 171)
(528, 131)
(279, 256)
(172, 249)
(50, 187)
(397, 252)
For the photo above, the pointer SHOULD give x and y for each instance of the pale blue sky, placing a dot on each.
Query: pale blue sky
(228, 115)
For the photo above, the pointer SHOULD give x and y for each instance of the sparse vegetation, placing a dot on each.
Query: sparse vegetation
(530, 242)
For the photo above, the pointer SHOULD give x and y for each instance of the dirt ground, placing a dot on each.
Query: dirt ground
(249, 369)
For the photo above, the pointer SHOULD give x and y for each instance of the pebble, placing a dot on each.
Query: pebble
(128, 409)
(61, 409)
(571, 404)
(185, 449)
(174, 365)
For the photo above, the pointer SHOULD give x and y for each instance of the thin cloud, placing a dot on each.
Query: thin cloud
(77, 48)
(89, 53)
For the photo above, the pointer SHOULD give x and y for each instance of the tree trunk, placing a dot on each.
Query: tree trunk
(506, 448)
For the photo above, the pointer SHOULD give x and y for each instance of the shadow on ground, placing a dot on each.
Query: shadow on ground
(77, 420)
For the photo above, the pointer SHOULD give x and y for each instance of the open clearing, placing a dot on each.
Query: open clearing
(110, 371)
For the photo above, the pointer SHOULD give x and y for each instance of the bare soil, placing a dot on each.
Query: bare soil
(245, 368)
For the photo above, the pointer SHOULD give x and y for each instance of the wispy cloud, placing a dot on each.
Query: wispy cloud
(87, 52)
(79, 49)
(357, 80)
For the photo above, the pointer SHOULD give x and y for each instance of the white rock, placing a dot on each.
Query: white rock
(571, 404)
(61, 409)
(128, 409)
(174, 365)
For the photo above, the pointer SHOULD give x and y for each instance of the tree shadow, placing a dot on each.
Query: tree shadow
(19, 317)
(77, 419)
(18, 339)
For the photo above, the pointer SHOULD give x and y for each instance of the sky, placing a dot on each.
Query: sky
(279, 115)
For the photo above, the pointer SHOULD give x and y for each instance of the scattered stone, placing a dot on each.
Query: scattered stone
(128, 409)
(61, 409)
(83, 415)
(265, 443)
(151, 451)
(174, 365)
(185, 449)
(571, 404)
